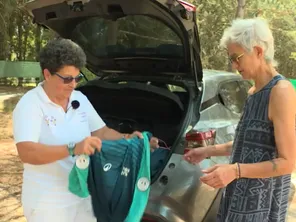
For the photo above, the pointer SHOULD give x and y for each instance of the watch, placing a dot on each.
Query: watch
(71, 147)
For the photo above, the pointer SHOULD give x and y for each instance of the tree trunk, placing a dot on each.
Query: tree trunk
(240, 8)
(19, 37)
(3, 34)
(11, 33)
(3, 46)
(37, 40)
(25, 44)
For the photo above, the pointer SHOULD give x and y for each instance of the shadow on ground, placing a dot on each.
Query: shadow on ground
(13, 89)
(10, 103)
(6, 107)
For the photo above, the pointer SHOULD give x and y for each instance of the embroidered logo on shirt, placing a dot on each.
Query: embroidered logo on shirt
(82, 116)
(125, 171)
(107, 167)
(50, 120)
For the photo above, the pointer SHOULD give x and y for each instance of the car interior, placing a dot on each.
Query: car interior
(131, 106)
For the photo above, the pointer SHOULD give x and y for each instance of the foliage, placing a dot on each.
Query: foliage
(20, 39)
(214, 16)
(282, 17)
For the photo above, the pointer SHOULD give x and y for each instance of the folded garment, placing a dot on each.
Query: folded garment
(117, 178)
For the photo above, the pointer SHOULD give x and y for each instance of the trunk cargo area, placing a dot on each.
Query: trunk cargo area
(130, 106)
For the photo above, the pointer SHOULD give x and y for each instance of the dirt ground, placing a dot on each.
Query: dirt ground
(11, 166)
(10, 183)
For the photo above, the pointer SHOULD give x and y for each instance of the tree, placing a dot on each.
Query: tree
(20, 39)
(7, 8)
(214, 16)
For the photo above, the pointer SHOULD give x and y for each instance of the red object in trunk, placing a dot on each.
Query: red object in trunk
(195, 139)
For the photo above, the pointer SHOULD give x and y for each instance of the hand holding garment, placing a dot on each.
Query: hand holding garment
(78, 176)
(117, 178)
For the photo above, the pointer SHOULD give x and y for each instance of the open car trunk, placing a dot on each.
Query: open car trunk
(132, 39)
(130, 106)
(151, 37)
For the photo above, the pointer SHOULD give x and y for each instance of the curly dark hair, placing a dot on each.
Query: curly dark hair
(61, 52)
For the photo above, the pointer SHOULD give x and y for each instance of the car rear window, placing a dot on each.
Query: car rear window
(136, 35)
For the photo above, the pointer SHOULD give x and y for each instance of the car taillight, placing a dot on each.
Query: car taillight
(188, 6)
(195, 139)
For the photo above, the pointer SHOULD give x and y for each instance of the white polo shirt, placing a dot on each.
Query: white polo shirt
(37, 119)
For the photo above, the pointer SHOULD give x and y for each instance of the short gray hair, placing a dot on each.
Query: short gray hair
(249, 33)
(61, 52)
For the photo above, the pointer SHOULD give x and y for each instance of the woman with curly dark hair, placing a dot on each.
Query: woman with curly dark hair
(53, 125)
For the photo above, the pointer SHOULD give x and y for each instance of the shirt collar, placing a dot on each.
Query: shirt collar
(42, 93)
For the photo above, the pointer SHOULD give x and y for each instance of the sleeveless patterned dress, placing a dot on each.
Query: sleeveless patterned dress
(255, 200)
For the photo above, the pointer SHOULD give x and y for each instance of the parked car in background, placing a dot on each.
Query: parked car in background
(146, 55)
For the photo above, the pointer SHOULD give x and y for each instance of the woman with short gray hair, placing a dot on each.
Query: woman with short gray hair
(262, 155)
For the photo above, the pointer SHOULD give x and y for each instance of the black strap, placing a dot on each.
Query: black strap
(210, 102)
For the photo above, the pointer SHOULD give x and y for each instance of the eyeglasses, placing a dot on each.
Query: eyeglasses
(69, 79)
(236, 59)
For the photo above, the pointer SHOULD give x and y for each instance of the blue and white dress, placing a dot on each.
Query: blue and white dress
(255, 200)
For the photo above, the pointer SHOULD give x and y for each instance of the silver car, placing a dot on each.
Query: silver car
(178, 195)
(146, 54)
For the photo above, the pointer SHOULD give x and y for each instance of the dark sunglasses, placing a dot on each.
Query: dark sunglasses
(69, 79)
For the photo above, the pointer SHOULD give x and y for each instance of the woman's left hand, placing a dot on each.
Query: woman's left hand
(153, 141)
(134, 134)
(219, 175)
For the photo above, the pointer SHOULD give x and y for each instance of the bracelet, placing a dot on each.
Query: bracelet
(238, 171)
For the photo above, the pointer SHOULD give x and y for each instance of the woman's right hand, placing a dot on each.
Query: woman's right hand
(196, 155)
(88, 146)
